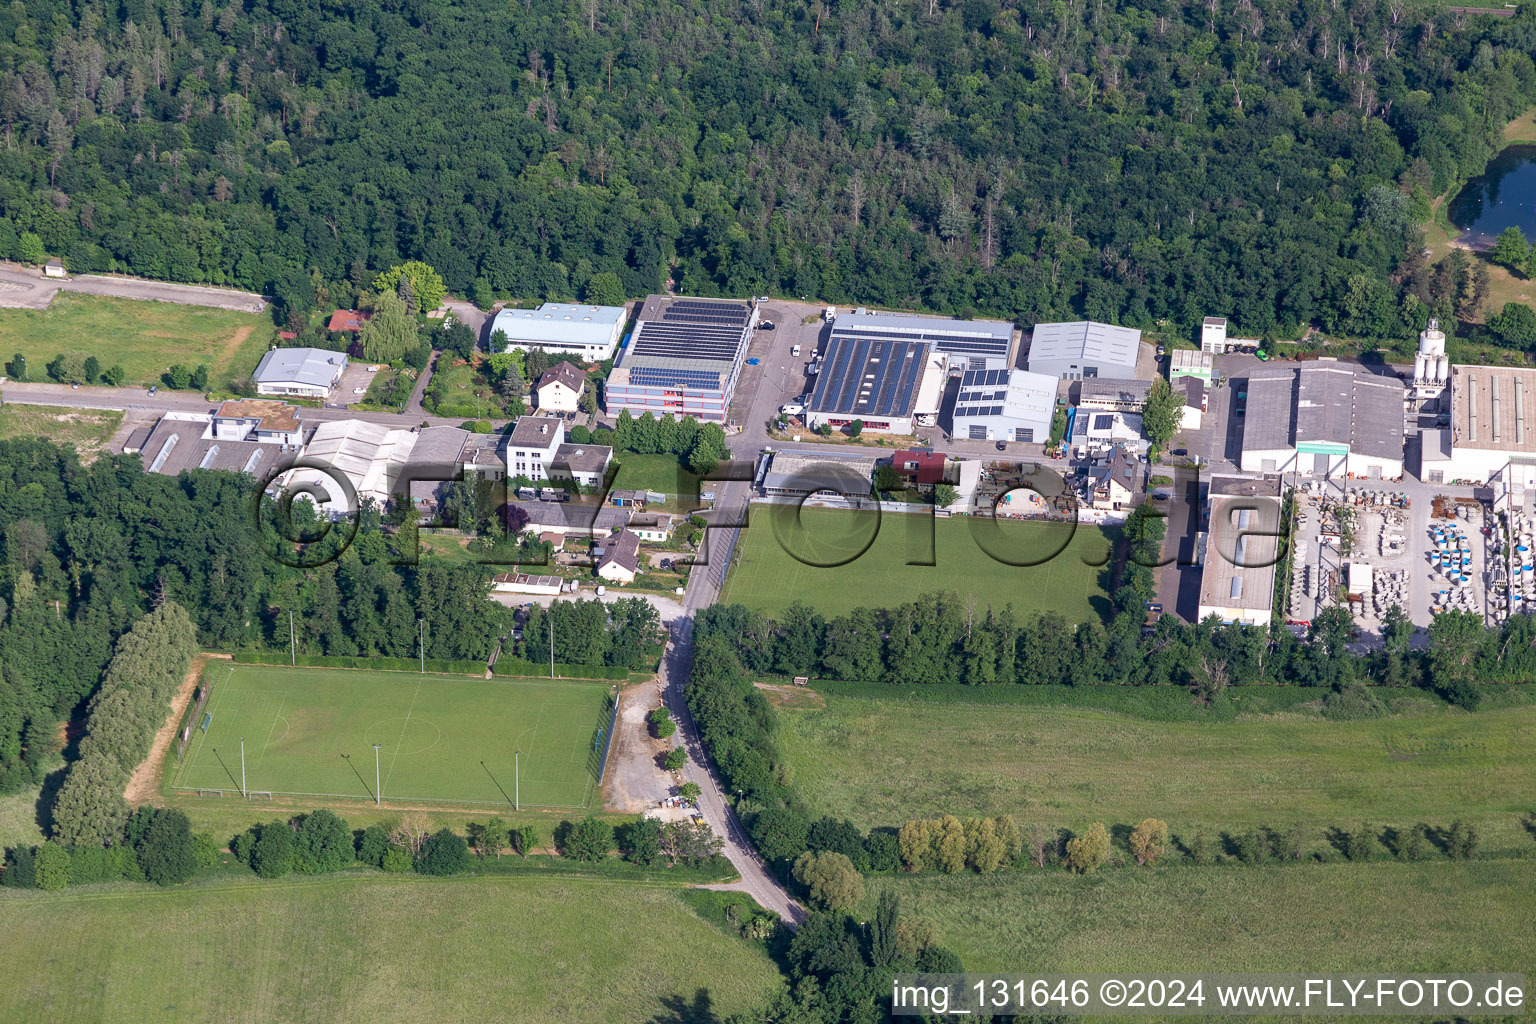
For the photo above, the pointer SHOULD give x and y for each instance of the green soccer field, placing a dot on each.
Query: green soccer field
(311, 732)
(1034, 566)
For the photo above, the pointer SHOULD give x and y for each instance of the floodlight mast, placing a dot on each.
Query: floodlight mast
(243, 791)
(377, 796)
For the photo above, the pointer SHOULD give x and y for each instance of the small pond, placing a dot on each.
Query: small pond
(1502, 195)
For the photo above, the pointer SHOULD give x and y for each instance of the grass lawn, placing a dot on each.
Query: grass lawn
(880, 762)
(661, 473)
(145, 338)
(310, 732)
(88, 430)
(459, 389)
(368, 946)
(1068, 578)
(1328, 918)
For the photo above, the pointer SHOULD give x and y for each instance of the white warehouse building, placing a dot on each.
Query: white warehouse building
(1492, 436)
(1005, 405)
(1326, 419)
(1083, 350)
(562, 328)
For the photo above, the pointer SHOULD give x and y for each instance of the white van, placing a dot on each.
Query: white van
(791, 409)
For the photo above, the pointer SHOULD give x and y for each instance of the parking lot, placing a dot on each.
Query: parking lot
(354, 382)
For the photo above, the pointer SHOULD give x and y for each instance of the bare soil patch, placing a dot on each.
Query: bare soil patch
(780, 695)
(144, 784)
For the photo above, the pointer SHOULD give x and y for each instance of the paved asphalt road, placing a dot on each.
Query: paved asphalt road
(27, 288)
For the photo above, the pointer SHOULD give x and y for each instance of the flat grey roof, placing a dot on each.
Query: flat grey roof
(315, 367)
(534, 431)
(438, 446)
(1330, 402)
(1082, 340)
(177, 445)
(1233, 485)
(583, 458)
(807, 472)
(1116, 390)
(865, 376)
(1491, 408)
(1239, 570)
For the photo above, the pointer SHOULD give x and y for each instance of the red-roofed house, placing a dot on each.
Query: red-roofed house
(347, 320)
(920, 467)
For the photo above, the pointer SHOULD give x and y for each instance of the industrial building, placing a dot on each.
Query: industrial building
(683, 359)
(1005, 405)
(303, 372)
(1113, 394)
(800, 474)
(1084, 349)
(889, 385)
(968, 344)
(1492, 435)
(367, 456)
(563, 328)
(1242, 547)
(1323, 419)
(1213, 335)
(1184, 363)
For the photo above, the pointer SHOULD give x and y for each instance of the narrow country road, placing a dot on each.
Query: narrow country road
(26, 288)
(703, 589)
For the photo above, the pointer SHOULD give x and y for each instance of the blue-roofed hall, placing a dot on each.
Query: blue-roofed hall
(564, 328)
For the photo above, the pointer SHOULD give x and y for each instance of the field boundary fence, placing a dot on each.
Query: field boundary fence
(603, 739)
(194, 717)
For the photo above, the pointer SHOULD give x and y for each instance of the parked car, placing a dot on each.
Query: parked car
(795, 352)
(765, 325)
(1179, 452)
(154, 388)
(1160, 496)
(753, 361)
(1002, 446)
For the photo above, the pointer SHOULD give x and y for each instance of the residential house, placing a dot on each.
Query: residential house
(620, 560)
(559, 389)
(349, 320)
(651, 527)
(1115, 482)
(532, 445)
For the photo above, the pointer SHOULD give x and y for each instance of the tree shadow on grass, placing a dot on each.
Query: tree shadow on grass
(681, 1010)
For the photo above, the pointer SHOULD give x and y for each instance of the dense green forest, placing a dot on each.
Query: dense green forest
(87, 550)
(1031, 158)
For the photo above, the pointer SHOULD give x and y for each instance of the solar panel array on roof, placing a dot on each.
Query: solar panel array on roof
(1103, 422)
(698, 311)
(866, 376)
(981, 386)
(983, 337)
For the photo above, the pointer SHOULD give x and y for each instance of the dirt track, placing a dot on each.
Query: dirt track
(144, 784)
